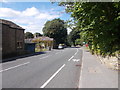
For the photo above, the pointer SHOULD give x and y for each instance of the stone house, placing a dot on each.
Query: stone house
(12, 38)
(43, 42)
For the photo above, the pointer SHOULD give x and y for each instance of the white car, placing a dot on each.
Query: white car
(60, 47)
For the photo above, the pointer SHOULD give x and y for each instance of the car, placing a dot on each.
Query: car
(60, 47)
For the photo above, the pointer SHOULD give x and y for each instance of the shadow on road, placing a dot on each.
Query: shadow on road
(23, 56)
(73, 47)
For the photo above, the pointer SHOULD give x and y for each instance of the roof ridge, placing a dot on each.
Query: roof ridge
(10, 23)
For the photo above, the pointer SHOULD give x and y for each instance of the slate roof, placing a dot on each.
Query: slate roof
(28, 40)
(44, 38)
(11, 24)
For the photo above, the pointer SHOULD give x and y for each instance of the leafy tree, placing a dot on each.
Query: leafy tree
(99, 25)
(78, 42)
(37, 34)
(28, 35)
(56, 29)
(74, 34)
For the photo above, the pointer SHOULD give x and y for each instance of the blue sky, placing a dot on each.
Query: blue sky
(32, 15)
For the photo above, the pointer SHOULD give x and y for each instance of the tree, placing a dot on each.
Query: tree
(78, 42)
(28, 35)
(99, 25)
(74, 34)
(56, 29)
(37, 34)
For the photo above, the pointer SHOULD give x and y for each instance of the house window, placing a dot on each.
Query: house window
(19, 44)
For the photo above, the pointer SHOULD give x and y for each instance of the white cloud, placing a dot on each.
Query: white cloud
(30, 11)
(7, 12)
(4, 1)
(46, 16)
(31, 19)
(34, 26)
(69, 30)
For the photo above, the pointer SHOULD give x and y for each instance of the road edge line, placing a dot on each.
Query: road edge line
(14, 67)
(44, 57)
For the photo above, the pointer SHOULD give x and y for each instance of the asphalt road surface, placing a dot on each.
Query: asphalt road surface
(54, 69)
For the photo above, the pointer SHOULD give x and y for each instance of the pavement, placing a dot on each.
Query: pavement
(53, 69)
(96, 75)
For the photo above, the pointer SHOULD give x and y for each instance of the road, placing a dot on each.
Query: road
(54, 69)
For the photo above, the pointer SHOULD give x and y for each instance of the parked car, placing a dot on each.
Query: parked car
(60, 47)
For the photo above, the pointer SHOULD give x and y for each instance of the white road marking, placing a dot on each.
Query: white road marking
(45, 84)
(76, 60)
(76, 52)
(45, 57)
(15, 66)
(71, 58)
(73, 55)
(57, 53)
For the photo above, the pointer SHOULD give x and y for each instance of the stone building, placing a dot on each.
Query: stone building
(12, 38)
(43, 42)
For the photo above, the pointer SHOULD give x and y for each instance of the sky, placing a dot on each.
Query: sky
(32, 15)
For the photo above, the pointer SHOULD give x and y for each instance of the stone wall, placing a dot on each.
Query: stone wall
(10, 36)
(8, 40)
(20, 38)
(110, 62)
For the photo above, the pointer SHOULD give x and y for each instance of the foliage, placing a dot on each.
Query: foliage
(56, 29)
(79, 42)
(42, 44)
(28, 35)
(37, 34)
(74, 34)
(40, 50)
(99, 23)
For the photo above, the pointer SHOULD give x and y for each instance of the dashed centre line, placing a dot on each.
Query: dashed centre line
(46, 83)
(73, 55)
(76, 52)
(70, 58)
